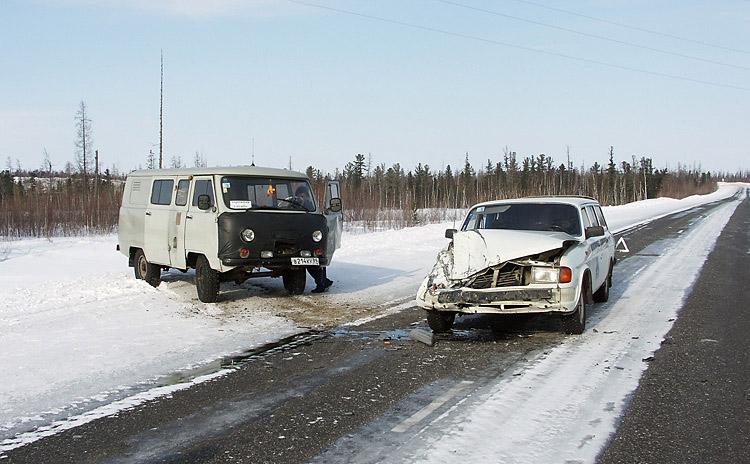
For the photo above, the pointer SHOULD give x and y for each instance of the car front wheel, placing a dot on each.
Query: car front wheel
(440, 321)
(575, 322)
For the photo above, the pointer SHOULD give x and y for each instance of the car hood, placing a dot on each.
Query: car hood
(476, 250)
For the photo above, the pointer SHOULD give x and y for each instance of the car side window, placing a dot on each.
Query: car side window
(592, 216)
(586, 219)
(161, 192)
(182, 192)
(600, 216)
(203, 187)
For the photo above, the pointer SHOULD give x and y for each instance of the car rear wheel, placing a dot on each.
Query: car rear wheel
(575, 322)
(440, 321)
(144, 270)
(602, 294)
(294, 281)
(206, 281)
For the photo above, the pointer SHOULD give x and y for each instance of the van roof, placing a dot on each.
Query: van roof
(229, 170)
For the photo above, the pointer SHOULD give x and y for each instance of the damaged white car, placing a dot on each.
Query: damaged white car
(551, 255)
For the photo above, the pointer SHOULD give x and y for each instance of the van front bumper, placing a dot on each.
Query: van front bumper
(280, 262)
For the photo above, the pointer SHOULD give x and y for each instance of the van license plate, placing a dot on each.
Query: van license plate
(305, 262)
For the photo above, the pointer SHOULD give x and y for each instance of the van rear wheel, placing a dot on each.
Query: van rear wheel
(294, 281)
(206, 281)
(144, 270)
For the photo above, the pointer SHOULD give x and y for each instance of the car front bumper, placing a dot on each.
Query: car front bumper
(507, 300)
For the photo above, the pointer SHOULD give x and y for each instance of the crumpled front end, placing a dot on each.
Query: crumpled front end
(527, 283)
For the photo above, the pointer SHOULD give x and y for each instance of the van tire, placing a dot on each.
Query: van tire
(294, 281)
(144, 270)
(206, 281)
(575, 322)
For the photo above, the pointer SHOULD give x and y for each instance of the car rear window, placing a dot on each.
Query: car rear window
(551, 217)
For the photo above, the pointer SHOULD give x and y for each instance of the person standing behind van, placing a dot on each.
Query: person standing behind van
(318, 273)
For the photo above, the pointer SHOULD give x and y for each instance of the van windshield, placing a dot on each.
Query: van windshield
(525, 216)
(267, 193)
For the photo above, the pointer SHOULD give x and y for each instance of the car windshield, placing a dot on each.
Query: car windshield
(267, 193)
(525, 216)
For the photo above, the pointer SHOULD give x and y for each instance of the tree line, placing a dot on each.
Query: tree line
(83, 199)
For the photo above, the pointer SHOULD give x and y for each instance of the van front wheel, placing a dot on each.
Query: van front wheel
(144, 270)
(206, 281)
(294, 281)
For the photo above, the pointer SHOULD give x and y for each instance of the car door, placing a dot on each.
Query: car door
(156, 235)
(334, 218)
(597, 245)
(177, 218)
(201, 229)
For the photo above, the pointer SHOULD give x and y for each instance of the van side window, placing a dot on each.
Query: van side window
(182, 192)
(161, 193)
(203, 187)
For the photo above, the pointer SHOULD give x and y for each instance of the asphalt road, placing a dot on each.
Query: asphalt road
(295, 400)
(693, 402)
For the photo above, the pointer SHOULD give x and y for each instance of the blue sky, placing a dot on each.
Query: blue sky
(413, 81)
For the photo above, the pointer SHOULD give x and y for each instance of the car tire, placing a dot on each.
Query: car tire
(206, 281)
(602, 294)
(440, 321)
(294, 281)
(144, 270)
(575, 322)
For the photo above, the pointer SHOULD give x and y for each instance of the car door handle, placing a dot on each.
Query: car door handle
(148, 213)
(187, 216)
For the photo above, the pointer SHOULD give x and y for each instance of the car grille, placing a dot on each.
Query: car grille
(507, 276)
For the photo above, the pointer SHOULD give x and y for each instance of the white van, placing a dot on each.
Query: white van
(228, 224)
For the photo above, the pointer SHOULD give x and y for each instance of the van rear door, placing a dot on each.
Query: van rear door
(155, 240)
(334, 218)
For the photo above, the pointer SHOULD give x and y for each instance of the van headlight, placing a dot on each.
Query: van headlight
(317, 236)
(248, 235)
(544, 275)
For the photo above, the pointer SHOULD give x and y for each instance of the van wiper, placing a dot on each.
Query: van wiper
(295, 203)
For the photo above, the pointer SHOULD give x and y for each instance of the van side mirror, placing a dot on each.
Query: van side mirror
(335, 205)
(449, 233)
(204, 202)
(594, 231)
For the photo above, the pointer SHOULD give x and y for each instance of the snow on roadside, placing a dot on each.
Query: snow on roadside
(79, 331)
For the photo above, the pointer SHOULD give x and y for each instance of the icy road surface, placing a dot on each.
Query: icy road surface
(81, 338)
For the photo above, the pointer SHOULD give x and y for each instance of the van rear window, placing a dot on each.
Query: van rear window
(161, 193)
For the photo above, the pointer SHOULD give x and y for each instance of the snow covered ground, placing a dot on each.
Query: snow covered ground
(81, 338)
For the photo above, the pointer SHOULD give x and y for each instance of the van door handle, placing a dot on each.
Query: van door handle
(148, 213)
(187, 216)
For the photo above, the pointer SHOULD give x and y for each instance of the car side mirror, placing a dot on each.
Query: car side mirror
(335, 205)
(594, 231)
(204, 202)
(449, 233)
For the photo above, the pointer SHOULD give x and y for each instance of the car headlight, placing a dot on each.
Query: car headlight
(317, 236)
(544, 275)
(248, 235)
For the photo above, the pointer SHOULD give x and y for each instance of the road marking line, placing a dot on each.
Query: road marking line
(427, 410)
